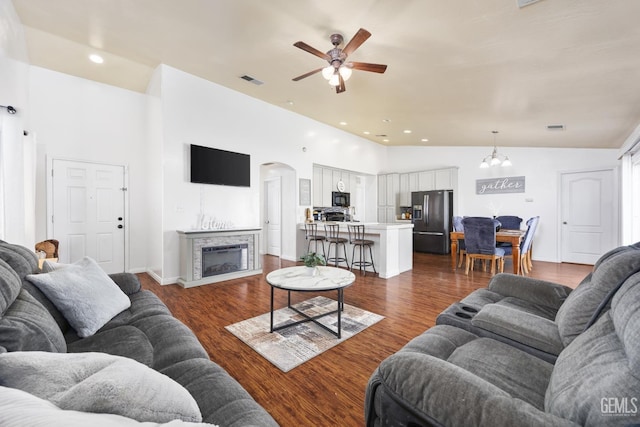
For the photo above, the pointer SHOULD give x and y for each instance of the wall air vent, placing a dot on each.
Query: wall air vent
(555, 127)
(251, 80)
(381, 135)
(523, 3)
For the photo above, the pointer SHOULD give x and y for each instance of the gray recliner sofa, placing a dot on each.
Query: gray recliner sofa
(538, 316)
(144, 335)
(449, 376)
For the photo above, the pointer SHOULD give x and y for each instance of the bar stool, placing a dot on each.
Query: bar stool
(311, 234)
(356, 238)
(333, 238)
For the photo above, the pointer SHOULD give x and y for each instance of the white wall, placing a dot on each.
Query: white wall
(17, 168)
(539, 166)
(78, 119)
(196, 111)
(73, 118)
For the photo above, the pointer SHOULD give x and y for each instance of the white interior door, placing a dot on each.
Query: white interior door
(273, 220)
(88, 212)
(589, 215)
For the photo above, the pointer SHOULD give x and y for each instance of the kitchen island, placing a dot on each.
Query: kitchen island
(392, 247)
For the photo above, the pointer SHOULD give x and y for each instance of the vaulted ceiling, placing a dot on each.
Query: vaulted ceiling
(456, 69)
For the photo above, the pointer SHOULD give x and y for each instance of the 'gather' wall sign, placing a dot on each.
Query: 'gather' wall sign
(510, 184)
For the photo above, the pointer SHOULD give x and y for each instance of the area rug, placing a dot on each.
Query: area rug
(291, 347)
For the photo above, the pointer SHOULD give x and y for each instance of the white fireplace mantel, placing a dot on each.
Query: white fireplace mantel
(192, 242)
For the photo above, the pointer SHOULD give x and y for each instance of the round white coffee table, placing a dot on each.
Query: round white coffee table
(298, 279)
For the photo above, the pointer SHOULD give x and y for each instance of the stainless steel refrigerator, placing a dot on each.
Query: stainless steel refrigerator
(432, 213)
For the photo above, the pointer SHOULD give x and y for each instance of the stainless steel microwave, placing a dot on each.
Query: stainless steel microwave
(340, 199)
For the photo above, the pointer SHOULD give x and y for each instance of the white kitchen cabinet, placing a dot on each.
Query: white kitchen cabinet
(341, 176)
(405, 192)
(426, 181)
(414, 184)
(444, 178)
(390, 214)
(317, 186)
(382, 214)
(393, 189)
(327, 186)
(388, 196)
(382, 190)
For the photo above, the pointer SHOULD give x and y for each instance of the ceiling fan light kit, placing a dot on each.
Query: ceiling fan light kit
(494, 159)
(339, 71)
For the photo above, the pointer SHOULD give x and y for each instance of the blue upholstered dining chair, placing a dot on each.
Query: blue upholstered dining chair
(457, 226)
(509, 222)
(480, 243)
(525, 246)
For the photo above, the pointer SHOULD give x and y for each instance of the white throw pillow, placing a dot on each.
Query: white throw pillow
(84, 294)
(19, 409)
(49, 266)
(99, 382)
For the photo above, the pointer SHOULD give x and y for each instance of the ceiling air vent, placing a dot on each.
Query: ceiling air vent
(523, 3)
(555, 127)
(251, 80)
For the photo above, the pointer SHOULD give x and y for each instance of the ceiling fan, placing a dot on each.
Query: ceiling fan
(339, 70)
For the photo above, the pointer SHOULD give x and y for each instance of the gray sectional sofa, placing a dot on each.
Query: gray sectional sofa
(139, 367)
(540, 355)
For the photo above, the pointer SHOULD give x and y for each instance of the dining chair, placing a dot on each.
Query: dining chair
(333, 238)
(357, 240)
(311, 234)
(526, 264)
(457, 226)
(480, 243)
(509, 222)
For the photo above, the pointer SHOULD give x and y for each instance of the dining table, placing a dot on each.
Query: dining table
(510, 236)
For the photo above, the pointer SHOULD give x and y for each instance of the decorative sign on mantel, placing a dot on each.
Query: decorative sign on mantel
(510, 184)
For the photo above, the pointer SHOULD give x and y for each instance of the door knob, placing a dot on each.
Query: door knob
(120, 226)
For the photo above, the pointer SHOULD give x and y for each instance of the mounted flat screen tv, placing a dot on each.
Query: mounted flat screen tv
(220, 167)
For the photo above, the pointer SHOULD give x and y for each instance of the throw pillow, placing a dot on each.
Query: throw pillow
(84, 293)
(49, 266)
(99, 382)
(19, 409)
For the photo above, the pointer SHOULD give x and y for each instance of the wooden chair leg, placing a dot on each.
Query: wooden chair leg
(466, 270)
(494, 260)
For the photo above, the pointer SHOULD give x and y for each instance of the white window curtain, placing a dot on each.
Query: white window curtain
(3, 159)
(631, 193)
(635, 196)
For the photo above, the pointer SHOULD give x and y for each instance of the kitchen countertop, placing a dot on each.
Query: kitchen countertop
(367, 225)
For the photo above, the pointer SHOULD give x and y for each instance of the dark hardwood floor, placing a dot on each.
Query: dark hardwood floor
(329, 389)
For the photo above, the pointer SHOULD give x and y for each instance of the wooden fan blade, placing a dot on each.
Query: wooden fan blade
(365, 66)
(295, 79)
(312, 50)
(361, 36)
(341, 87)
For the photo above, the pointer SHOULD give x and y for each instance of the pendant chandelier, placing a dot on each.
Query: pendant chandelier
(494, 159)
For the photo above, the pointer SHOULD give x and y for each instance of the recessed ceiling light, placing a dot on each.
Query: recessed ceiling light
(407, 131)
(96, 58)
(424, 140)
(289, 102)
(366, 132)
(343, 123)
(385, 140)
